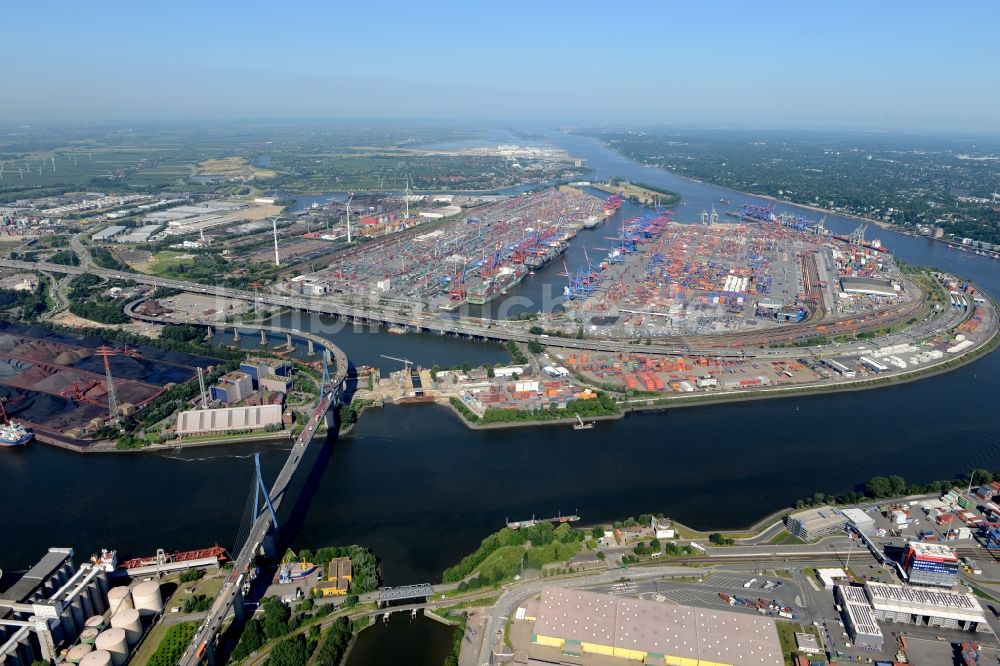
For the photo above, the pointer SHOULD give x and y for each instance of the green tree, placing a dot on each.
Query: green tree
(250, 641)
(292, 651)
(276, 615)
(597, 532)
(878, 487)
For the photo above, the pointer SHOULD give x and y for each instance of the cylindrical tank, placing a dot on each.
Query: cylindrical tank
(79, 617)
(88, 607)
(118, 598)
(128, 619)
(78, 652)
(146, 598)
(96, 621)
(114, 641)
(96, 597)
(97, 658)
(89, 635)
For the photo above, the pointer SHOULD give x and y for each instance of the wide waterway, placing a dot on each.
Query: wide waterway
(421, 490)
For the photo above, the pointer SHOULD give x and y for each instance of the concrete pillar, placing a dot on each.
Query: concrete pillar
(288, 340)
(329, 357)
(210, 333)
(236, 334)
(46, 642)
(309, 345)
(263, 338)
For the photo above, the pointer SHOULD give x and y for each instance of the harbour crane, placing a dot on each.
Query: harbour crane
(405, 361)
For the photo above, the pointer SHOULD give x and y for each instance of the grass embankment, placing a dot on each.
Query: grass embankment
(602, 405)
(500, 555)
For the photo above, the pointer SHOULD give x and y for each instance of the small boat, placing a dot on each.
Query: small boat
(580, 425)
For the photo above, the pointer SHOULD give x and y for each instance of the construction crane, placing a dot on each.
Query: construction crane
(405, 361)
(3, 408)
(107, 352)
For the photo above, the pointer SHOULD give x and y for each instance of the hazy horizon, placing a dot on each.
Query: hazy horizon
(728, 66)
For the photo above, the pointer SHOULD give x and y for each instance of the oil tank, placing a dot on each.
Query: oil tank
(78, 652)
(118, 598)
(97, 658)
(114, 641)
(89, 635)
(146, 598)
(96, 621)
(128, 619)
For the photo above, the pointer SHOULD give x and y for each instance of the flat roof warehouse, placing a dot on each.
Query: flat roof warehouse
(576, 621)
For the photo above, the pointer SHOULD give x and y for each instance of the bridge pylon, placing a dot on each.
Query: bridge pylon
(261, 495)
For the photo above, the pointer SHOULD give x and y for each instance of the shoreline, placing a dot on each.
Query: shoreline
(888, 226)
(667, 402)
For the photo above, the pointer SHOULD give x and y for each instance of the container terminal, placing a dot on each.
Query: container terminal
(470, 259)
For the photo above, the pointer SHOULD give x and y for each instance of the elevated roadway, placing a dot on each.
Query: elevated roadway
(731, 345)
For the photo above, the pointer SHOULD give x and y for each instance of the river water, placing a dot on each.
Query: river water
(421, 490)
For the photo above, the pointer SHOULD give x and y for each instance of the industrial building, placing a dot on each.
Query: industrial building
(268, 374)
(338, 578)
(930, 564)
(576, 626)
(140, 235)
(863, 522)
(49, 607)
(233, 387)
(816, 523)
(859, 617)
(208, 421)
(868, 285)
(107, 233)
(933, 608)
(194, 217)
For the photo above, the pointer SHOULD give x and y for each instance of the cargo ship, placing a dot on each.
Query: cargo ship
(488, 289)
(612, 204)
(192, 557)
(13, 433)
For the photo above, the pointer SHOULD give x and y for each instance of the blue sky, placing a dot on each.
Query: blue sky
(907, 65)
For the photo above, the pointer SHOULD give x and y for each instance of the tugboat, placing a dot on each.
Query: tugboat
(13, 433)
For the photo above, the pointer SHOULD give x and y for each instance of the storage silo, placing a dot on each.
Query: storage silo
(97, 658)
(88, 607)
(89, 635)
(128, 619)
(115, 642)
(96, 597)
(118, 598)
(79, 617)
(146, 598)
(78, 652)
(96, 621)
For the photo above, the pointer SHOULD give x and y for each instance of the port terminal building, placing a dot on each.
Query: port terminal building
(816, 523)
(864, 607)
(212, 421)
(582, 627)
